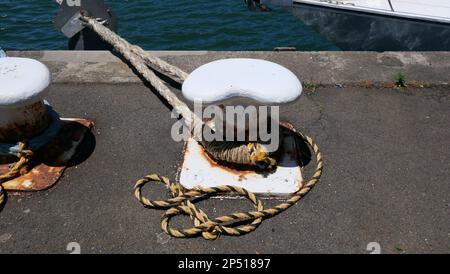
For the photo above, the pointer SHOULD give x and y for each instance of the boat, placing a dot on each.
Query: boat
(379, 25)
(437, 11)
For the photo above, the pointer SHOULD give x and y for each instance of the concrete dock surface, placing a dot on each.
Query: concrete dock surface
(386, 151)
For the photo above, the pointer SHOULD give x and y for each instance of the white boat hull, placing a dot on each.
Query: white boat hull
(437, 11)
(349, 30)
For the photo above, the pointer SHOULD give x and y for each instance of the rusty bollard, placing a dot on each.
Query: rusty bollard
(26, 117)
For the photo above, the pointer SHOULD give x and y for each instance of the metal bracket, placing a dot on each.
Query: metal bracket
(68, 22)
(73, 26)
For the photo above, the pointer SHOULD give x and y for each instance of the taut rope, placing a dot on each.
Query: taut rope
(182, 201)
(254, 153)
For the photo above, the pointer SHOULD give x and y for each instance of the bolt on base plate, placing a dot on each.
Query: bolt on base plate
(52, 159)
(199, 169)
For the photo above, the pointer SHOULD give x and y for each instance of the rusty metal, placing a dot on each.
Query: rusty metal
(23, 123)
(51, 160)
(198, 168)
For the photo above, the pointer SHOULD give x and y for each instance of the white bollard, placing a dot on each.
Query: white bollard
(23, 85)
(244, 82)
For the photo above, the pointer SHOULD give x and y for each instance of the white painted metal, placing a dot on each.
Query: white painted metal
(426, 10)
(23, 84)
(198, 169)
(260, 80)
(23, 81)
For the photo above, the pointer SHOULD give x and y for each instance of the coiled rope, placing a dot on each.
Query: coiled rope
(16, 170)
(181, 202)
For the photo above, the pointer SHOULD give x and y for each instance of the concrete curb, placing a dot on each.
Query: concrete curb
(365, 69)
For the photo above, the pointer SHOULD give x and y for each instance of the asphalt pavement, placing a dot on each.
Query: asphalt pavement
(386, 178)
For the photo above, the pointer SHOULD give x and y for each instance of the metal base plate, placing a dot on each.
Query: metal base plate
(199, 169)
(52, 159)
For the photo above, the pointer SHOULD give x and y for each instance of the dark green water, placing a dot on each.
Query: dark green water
(167, 25)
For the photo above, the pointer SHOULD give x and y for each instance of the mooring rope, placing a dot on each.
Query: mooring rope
(16, 170)
(211, 229)
(182, 201)
(126, 49)
(254, 152)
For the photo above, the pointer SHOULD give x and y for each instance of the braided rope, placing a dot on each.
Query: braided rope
(192, 121)
(181, 202)
(211, 229)
(251, 155)
(16, 170)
